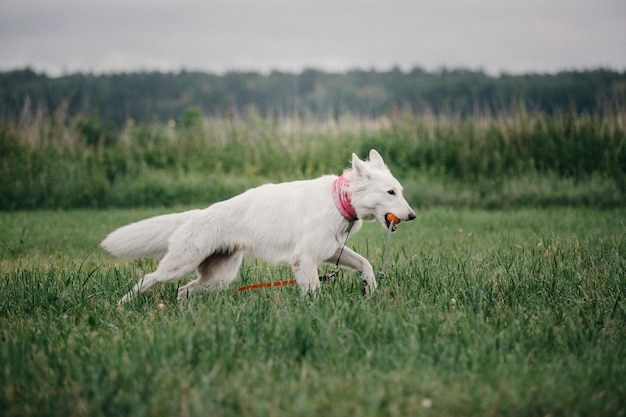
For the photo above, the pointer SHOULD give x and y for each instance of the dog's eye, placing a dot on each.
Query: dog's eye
(391, 192)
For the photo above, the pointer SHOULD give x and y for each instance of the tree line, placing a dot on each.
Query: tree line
(147, 97)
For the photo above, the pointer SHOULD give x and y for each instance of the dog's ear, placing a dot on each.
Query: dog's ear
(359, 167)
(376, 160)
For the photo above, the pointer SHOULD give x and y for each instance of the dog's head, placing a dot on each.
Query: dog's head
(376, 193)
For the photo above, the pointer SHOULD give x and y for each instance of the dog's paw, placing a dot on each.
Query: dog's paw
(183, 295)
(369, 287)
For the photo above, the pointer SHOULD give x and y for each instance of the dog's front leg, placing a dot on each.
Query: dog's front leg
(351, 259)
(305, 272)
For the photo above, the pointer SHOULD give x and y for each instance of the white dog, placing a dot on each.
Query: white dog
(299, 223)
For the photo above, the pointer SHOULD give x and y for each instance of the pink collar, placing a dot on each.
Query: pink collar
(343, 198)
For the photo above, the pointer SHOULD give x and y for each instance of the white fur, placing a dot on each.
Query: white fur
(294, 223)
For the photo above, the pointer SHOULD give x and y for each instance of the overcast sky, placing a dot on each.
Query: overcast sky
(63, 36)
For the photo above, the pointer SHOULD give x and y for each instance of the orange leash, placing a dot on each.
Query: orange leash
(282, 283)
(267, 285)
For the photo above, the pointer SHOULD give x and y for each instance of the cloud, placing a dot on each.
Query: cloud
(218, 35)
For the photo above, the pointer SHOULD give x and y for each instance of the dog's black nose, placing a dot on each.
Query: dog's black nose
(411, 216)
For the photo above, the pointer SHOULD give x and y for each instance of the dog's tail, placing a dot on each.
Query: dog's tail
(146, 238)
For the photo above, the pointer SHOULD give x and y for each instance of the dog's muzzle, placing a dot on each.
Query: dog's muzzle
(392, 218)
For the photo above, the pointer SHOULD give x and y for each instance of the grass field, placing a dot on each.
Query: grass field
(504, 313)
(524, 160)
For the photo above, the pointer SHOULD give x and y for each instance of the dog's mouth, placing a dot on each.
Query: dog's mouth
(391, 221)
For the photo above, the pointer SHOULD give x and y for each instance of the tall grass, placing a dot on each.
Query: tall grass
(496, 162)
(485, 313)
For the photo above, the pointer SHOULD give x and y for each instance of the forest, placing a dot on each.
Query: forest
(160, 97)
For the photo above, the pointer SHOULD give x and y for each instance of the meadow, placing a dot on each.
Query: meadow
(516, 312)
(504, 161)
(505, 297)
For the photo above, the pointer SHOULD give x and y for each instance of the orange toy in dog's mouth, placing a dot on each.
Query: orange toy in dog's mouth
(390, 217)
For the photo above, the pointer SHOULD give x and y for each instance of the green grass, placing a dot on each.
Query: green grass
(500, 162)
(514, 313)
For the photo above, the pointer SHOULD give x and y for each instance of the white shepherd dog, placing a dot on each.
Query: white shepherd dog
(299, 223)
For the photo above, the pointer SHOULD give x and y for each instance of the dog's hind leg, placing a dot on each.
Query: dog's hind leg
(173, 267)
(214, 273)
